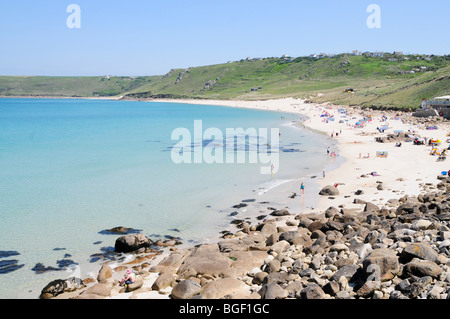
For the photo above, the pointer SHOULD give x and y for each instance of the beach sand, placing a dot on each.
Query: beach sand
(402, 172)
(405, 170)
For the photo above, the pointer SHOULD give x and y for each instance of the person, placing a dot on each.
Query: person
(129, 278)
(302, 187)
(323, 174)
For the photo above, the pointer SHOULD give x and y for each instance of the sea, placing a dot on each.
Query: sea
(70, 169)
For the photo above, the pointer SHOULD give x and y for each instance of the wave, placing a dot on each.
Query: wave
(264, 188)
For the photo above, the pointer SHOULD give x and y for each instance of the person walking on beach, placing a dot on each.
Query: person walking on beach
(302, 188)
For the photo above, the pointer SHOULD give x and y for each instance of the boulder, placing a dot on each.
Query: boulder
(186, 289)
(419, 250)
(371, 208)
(59, 286)
(206, 262)
(421, 268)
(136, 285)
(350, 272)
(220, 288)
(104, 273)
(245, 261)
(280, 246)
(368, 288)
(268, 229)
(312, 291)
(329, 190)
(280, 212)
(164, 280)
(130, 243)
(98, 291)
(382, 262)
(421, 224)
(331, 288)
(272, 291)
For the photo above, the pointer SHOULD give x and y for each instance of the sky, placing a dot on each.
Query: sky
(148, 37)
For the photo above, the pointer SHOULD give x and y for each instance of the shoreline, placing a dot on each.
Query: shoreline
(396, 173)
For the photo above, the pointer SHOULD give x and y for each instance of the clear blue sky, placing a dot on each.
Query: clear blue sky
(147, 37)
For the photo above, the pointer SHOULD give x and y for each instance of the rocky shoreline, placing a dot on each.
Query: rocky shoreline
(399, 250)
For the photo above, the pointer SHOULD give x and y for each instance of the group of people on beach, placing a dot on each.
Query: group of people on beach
(331, 153)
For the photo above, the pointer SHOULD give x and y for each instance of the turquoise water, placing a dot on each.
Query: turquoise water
(72, 168)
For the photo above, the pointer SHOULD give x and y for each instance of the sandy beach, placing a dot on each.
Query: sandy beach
(403, 170)
(400, 171)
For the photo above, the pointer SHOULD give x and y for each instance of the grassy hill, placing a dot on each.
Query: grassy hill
(388, 82)
(54, 86)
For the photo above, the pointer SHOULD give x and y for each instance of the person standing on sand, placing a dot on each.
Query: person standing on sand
(302, 188)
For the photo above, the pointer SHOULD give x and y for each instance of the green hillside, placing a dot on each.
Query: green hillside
(54, 86)
(388, 82)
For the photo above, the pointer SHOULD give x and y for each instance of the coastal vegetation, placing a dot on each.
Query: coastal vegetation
(390, 81)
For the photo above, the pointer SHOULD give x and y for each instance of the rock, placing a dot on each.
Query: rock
(421, 268)
(420, 250)
(280, 212)
(59, 286)
(170, 262)
(98, 291)
(364, 251)
(259, 277)
(119, 230)
(331, 288)
(444, 243)
(7, 266)
(220, 288)
(312, 291)
(414, 288)
(316, 225)
(339, 247)
(163, 281)
(382, 262)
(273, 266)
(136, 285)
(104, 273)
(268, 229)
(351, 272)
(293, 288)
(371, 208)
(272, 291)
(186, 289)
(280, 246)
(130, 243)
(206, 262)
(368, 288)
(329, 191)
(421, 224)
(245, 261)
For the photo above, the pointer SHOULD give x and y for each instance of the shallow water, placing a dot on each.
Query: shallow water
(72, 168)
